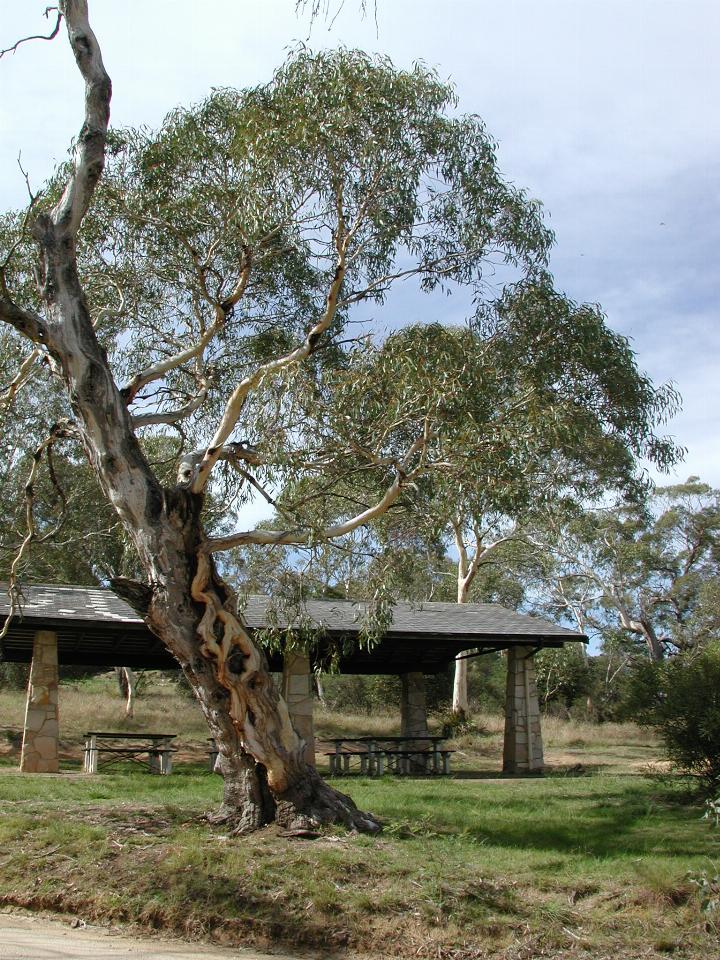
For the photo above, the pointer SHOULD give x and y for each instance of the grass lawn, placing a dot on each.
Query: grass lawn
(593, 865)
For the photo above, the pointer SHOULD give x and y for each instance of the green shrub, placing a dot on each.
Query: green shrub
(681, 698)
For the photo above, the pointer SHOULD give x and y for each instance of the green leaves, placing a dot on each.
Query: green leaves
(647, 569)
(226, 228)
(681, 699)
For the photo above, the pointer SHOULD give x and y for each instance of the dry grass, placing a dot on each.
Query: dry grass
(163, 707)
(331, 723)
(95, 704)
(559, 732)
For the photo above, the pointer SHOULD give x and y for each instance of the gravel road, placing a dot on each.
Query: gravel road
(25, 937)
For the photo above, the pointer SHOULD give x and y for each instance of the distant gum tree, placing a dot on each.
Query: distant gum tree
(197, 282)
(647, 570)
(542, 407)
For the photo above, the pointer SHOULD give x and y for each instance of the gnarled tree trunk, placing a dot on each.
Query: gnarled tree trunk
(260, 755)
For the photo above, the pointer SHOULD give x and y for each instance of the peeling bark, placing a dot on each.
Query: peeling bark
(260, 719)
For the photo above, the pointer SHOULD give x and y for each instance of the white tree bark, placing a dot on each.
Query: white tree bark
(127, 684)
(470, 558)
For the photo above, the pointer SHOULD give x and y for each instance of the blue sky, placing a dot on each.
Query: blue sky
(606, 110)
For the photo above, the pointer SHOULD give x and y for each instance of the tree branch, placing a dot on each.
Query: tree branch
(89, 158)
(38, 36)
(237, 401)
(20, 379)
(298, 537)
(172, 416)
(61, 430)
(232, 452)
(403, 476)
(26, 322)
(129, 391)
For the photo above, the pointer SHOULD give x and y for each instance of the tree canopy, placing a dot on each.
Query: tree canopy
(645, 572)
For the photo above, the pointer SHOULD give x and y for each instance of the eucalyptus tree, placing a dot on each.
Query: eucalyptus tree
(199, 281)
(542, 407)
(647, 570)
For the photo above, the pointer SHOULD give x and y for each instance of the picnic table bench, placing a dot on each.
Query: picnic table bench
(400, 755)
(104, 748)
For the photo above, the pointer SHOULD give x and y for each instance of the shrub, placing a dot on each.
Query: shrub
(681, 698)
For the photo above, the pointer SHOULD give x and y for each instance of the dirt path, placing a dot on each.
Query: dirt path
(24, 937)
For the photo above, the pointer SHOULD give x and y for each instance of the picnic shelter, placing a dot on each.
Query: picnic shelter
(91, 626)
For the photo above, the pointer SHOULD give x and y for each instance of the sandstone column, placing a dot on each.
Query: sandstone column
(413, 722)
(523, 748)
(413, 708)
(40, 737)
(297, 691)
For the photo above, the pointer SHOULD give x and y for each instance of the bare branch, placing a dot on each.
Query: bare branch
(32, 197)
(38, 36)
(232, 452)
(20, 379)
(89, 158)
(59, 431)
(172, 416)
(26, 322)
(470, 560)
(111, 313)
(298, 537)
(222, 310)
(403, 476)
(256, 485)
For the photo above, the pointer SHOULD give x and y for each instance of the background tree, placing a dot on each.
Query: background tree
(198, 282)
(647, 569)
(564, 676)
(534, 400)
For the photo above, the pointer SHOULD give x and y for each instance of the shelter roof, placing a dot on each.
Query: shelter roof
(94, 626)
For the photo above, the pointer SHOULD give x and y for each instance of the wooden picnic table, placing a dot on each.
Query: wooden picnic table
(400, 754)
(103, 748)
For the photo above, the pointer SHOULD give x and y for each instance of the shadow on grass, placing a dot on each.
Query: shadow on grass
(604, 820)
(619, 834)
(550, 772)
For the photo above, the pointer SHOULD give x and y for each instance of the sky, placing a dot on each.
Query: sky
(605, 110)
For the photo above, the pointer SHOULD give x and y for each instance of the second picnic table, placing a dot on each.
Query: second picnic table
(400, 755)
(113, 747)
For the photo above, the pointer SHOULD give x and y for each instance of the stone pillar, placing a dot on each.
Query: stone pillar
(40, 737)
(297, 692)
(413, 708)
(523, 748)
